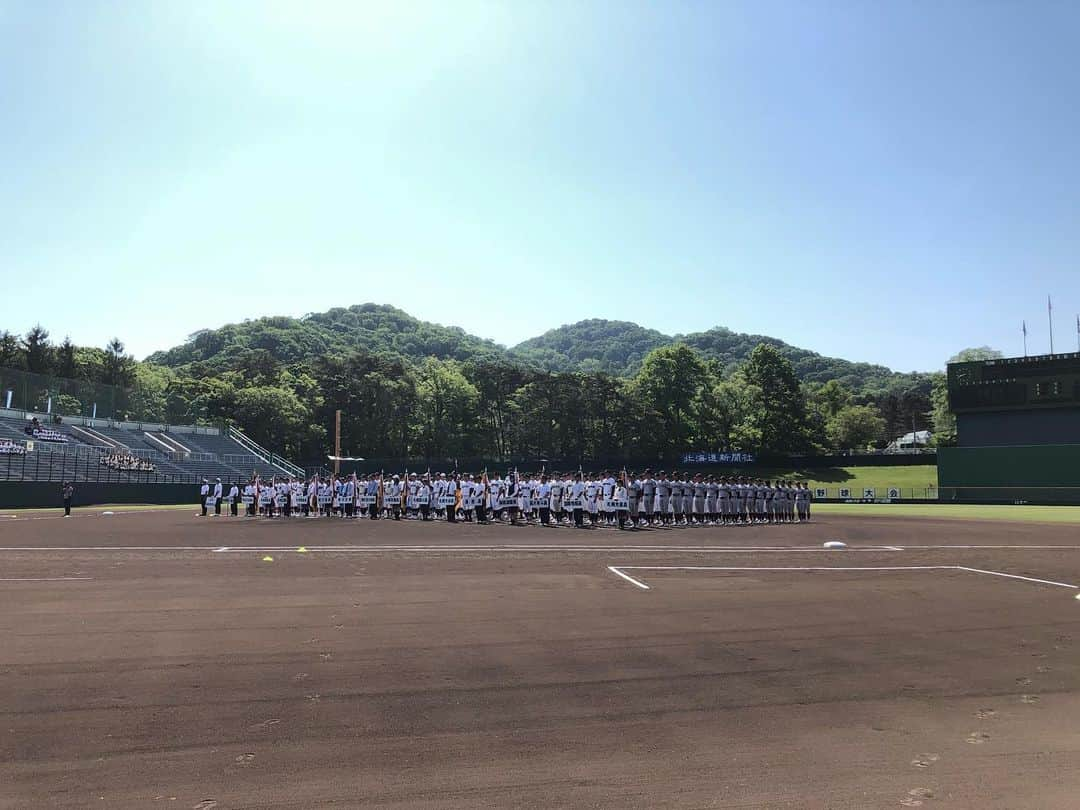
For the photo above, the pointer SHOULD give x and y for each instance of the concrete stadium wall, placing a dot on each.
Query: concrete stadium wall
(27, 494)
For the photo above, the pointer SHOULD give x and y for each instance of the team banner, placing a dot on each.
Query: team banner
(508, 503)
(446, 500)
(470, 503)
(616, 505)
(325, 501)
(573, 503)
(717, 458)
(422, 499)
(368, 500)
(539, 503)
(247, 500)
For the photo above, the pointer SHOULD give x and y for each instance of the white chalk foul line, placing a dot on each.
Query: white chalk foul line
(620, 571)
(46, 579)
(1017, 576)
(628, 578)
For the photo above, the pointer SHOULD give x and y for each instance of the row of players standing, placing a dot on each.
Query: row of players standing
(625, 500)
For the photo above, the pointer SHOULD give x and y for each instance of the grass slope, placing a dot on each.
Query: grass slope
(913, 481)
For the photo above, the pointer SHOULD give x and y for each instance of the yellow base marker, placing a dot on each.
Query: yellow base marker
(267, 558)
(301, 550)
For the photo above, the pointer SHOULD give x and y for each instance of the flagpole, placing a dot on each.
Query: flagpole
(1050, 318)
(1023, 328)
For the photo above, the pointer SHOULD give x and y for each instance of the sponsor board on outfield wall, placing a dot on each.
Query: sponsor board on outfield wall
(869, 494)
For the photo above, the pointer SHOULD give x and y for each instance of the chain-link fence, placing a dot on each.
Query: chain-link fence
(41, 393)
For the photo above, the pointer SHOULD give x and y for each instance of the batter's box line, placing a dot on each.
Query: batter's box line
(620, 571)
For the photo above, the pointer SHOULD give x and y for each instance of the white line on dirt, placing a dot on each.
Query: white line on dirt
(619, 570)
(1017, 576)
(628, 578)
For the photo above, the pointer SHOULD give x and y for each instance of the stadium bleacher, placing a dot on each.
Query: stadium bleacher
(210, 454)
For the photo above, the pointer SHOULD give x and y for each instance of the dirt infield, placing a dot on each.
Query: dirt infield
(156, 660)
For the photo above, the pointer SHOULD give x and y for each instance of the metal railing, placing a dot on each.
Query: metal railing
(257, 450)
(67, 463)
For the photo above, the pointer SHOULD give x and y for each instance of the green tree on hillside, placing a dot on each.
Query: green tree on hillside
(669, 379)
(37, 351)
(273, 417)
(446, 404)
(65, 360)
(854, 427)
(11, 355)
(976, 353)
(777, 413)
(943, 419)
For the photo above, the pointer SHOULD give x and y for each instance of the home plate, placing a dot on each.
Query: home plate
(835, 544)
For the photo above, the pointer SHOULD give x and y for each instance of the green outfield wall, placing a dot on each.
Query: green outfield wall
(1022, 473)
(29, 494)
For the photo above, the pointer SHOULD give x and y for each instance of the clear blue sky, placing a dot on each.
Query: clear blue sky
(879, 181)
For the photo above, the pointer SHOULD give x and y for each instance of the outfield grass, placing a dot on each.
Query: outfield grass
(954, 511)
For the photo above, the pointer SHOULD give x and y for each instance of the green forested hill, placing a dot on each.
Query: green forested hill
(409, 388)
(618, 347)
(611, 347)
(371, 328)
(614, 347)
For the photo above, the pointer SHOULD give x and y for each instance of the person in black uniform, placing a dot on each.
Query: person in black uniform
(67, 492)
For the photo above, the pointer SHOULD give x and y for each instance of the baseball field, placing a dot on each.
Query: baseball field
(154, 659)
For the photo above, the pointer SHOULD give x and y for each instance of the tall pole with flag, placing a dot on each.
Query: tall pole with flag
(1050, 318)
(1023, 328)
(1078, 333)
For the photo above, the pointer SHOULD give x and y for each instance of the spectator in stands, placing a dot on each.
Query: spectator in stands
(67, 492)
(128, 462)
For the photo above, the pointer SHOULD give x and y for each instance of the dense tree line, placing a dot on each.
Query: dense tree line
(283, 385)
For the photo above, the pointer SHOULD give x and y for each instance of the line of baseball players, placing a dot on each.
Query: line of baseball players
(624, 500)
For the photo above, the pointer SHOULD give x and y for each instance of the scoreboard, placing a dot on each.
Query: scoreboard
(1015, 384)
